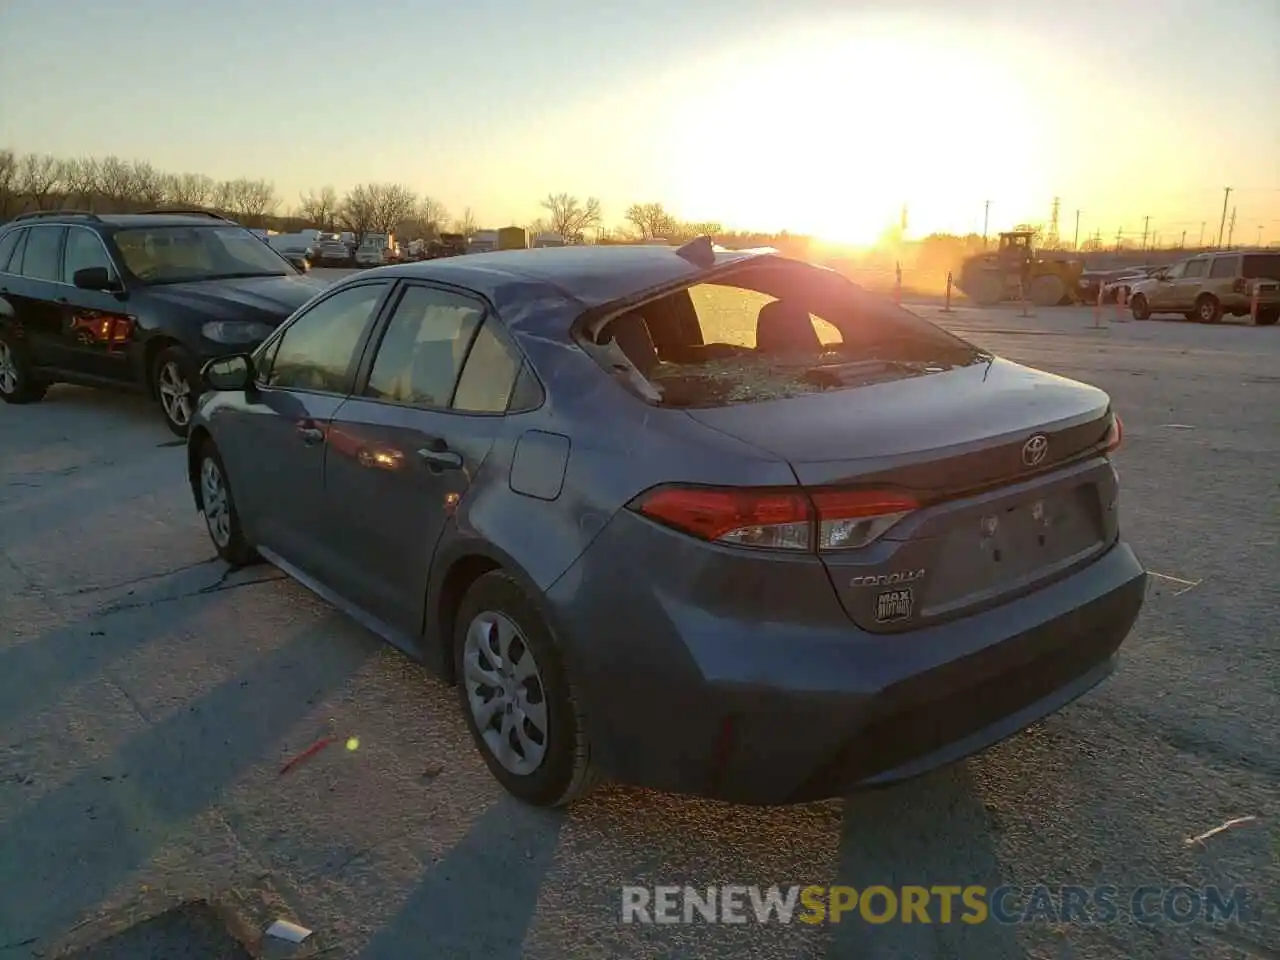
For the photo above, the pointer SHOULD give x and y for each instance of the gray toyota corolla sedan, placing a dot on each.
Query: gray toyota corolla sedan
(712, 522)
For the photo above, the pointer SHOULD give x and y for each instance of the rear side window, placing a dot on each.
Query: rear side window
(421, 353)
(43, 257)
(1257, 266)
(1224, 267)
(1195, 268)
(8, 243)
(490, 373)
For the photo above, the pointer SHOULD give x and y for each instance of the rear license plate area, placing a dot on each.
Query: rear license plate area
(1011, 545)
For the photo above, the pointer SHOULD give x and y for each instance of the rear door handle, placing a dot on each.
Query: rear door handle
(310, 435)
(440, 459)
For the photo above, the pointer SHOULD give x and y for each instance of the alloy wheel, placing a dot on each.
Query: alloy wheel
(8, 370)
(217, 505)
(505, 692)
(175, 394)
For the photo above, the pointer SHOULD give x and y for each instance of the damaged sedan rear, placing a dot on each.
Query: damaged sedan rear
(717, 523)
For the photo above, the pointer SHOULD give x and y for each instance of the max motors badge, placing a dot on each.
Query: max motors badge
(894, 605)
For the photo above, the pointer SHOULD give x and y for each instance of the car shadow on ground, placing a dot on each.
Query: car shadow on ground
(112, 816)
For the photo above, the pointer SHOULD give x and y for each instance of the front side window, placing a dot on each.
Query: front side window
(1224, 267)
(1175, 272)
(83, 251)
(1195, 268)
(184, 254)
(423, 348)
(42, 259)
(318, 350)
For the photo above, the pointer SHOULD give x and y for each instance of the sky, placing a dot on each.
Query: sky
(809, 115)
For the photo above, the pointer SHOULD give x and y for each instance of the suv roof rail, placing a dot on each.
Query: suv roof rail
(188, 212)
(39, 214)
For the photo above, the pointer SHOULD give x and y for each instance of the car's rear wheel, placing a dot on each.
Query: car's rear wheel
(1141, 309)
(219, 508)
(1208, 309)
(17, 384)
(516, 695)
(176, 379)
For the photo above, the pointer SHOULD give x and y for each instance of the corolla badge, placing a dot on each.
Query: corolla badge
(1035, 450)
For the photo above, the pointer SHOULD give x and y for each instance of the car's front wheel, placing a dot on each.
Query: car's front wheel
(219, 509)
(17, 385)
(516, 696)
(1141, 309)
(176, 382)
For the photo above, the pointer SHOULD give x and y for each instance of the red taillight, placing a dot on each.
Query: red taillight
(854, 518)
(1115, 433)
(755, 518)
(777, 519)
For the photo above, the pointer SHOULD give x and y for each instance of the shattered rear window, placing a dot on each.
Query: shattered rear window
(721, 344)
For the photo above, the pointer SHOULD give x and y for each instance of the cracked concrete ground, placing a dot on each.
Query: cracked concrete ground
(148, 699)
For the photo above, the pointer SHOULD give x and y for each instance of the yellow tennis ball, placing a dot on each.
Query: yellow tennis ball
(353, 743)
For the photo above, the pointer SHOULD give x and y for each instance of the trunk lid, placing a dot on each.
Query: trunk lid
(999, 515)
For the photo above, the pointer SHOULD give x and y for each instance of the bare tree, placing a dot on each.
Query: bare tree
(115, 182)
(320, 207)
(251, 200)
(651, 220)
(8, 182)
(433, 215)
(39, 179)
(358, 210)
(393, 203)
(189, 190)
(80, 182)
(465, 224)
(538, 226)
(223, 196)
(148, 184)
(570, 217)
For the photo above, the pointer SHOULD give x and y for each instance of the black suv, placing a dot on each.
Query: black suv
(138, 301)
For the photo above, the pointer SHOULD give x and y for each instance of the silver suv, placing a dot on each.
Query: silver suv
(1207, 286)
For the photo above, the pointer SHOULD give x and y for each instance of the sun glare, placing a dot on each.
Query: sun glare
(833, 136)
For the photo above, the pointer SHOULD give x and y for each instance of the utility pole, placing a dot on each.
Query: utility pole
(1146, 223)
(986, 211)
(1119, 235)
(1053, 237)
(1231, 227)
(1182, 244)
(1075, 243)
(1225, 197)
(1200, 242)
(1259, 243)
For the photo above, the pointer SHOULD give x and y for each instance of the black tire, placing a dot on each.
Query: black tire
(230, 542)
(1141, 309)
(175, 368)
(17, 383)
(1267, 318)
(1208, 309)
(565, 771)
(1046, 290)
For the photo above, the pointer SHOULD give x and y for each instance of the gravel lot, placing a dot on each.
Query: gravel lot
(148, 699)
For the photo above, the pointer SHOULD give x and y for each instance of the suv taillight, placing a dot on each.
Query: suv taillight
(1115, 434)
(777, 519)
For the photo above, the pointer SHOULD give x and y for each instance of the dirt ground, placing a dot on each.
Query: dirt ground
(148, 699)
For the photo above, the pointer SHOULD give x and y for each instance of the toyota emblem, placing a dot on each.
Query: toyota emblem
(1035, 450)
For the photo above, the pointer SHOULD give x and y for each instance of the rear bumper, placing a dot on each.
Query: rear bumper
(748, 709)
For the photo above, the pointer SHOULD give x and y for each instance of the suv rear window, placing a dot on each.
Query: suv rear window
(1261, 266)
(770, 331)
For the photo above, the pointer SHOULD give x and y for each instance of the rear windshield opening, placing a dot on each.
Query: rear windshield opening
(774, 332)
